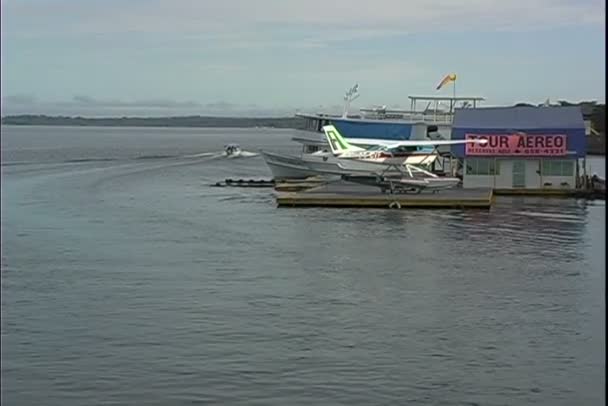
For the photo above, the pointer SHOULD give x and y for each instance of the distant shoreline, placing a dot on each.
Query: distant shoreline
(172, 122)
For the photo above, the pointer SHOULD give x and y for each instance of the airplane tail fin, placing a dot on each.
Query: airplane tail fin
(337, 143)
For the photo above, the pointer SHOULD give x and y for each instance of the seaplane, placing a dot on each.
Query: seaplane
(385, 151)
(396, 155)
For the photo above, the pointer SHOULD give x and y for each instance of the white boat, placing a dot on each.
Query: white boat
(433, 120)
(287, 166)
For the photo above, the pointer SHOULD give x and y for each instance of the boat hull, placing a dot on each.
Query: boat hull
(287, 166)
(294, 167)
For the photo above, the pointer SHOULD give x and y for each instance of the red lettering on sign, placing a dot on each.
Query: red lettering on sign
(517, 145)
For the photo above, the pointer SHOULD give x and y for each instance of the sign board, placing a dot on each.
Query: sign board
(517, 145)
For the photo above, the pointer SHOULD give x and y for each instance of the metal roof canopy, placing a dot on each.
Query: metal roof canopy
(311, 140)
(446, 98)
(437, 99)
(520, 118)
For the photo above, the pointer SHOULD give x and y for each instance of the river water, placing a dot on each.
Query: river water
(127, 280)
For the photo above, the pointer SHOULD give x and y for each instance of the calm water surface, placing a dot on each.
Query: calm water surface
(127, 280)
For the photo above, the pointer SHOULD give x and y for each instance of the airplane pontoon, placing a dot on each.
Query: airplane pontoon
(412, 179)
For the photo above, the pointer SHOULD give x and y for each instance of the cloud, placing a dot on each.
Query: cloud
(221, 106)
(19, 99)
(289, 51)
(93, 107)
(144, 104)
(359, 17)
(82, 101)
(303, 23)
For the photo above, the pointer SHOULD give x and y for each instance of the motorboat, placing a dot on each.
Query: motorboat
(232, 150)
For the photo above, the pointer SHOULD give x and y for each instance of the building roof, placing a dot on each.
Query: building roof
(311, 139)
(520, 118)
(446, 98)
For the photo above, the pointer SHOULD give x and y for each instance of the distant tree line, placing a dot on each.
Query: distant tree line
(185, 121)
(598, 118)
(590, 109)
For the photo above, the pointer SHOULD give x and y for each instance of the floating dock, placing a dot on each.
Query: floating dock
(345, 194)
(299, 184)
(566, 193)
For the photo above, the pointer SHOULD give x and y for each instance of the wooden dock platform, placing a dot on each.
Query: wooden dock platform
(565, 193)
(296, 185)
(345, 194)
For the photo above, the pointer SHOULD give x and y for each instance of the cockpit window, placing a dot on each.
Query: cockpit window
(403, 148)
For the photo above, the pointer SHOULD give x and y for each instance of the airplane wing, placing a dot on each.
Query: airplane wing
(412, 143)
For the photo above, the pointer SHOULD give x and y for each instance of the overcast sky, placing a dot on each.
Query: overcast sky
(157, 57)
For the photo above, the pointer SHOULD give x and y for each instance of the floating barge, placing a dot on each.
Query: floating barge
(285, 185)
(346, 194)
(245, 183)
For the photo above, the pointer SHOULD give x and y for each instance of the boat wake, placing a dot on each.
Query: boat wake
(211, 155)
(217, 154)
(242, 154)
(223, 154)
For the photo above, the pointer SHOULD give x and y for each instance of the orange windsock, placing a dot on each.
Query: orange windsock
(448, 78)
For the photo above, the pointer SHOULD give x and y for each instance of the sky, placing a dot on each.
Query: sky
(276, 57)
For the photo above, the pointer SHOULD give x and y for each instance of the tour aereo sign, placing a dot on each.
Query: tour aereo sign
(518, 144)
